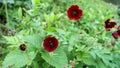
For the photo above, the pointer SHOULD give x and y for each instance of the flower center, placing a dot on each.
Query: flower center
(51, 44)
(74, 13)
(118, 32)
(108, 23)
(23, 47)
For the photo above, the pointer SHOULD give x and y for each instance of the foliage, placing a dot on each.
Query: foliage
(85, 43)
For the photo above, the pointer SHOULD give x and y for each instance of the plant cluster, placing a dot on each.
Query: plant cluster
(60, 34)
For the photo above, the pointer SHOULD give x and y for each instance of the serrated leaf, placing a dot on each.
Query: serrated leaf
(18, 59)
(58, 59)
(35, 40)
(11, 39)
(105, 57)
(86, 58)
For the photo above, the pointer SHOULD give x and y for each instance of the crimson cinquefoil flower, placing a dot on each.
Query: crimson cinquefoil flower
(74, 12)
(116, 34)
(50, 43)
(109, 25)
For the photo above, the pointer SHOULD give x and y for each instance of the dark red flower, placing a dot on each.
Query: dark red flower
(50, 43)
(118, 31)
(118, 27)
(116, 34)
(74, 12)
(22, 47)
(109, 25)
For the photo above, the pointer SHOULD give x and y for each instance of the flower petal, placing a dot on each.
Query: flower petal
(109, 25)
(118, 32)
(118, 27)
(107, 21)
(112, 24)
(115, 35)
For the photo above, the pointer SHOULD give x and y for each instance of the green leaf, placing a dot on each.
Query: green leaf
(49, 18)
(20, 12)
(0, 63)
(35, 40)
(100, 64)
(35, 64)
(79, 65)
(103, 35)
(51, 29)
(52, 18)
(86, 58)
(57, 16)
(35, 2)
(57, 58)
(45, 65)
(17, 59)
(89, 60)
(93, 54)
(105, 56)
(11, 39)
(73, 39)
(7, 1)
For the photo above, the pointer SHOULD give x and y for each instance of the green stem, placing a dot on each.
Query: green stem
(77, 22)
(1, 8)
(6, 11)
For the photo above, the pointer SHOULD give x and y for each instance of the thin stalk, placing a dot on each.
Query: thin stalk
(77, 23)
(6, 11)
